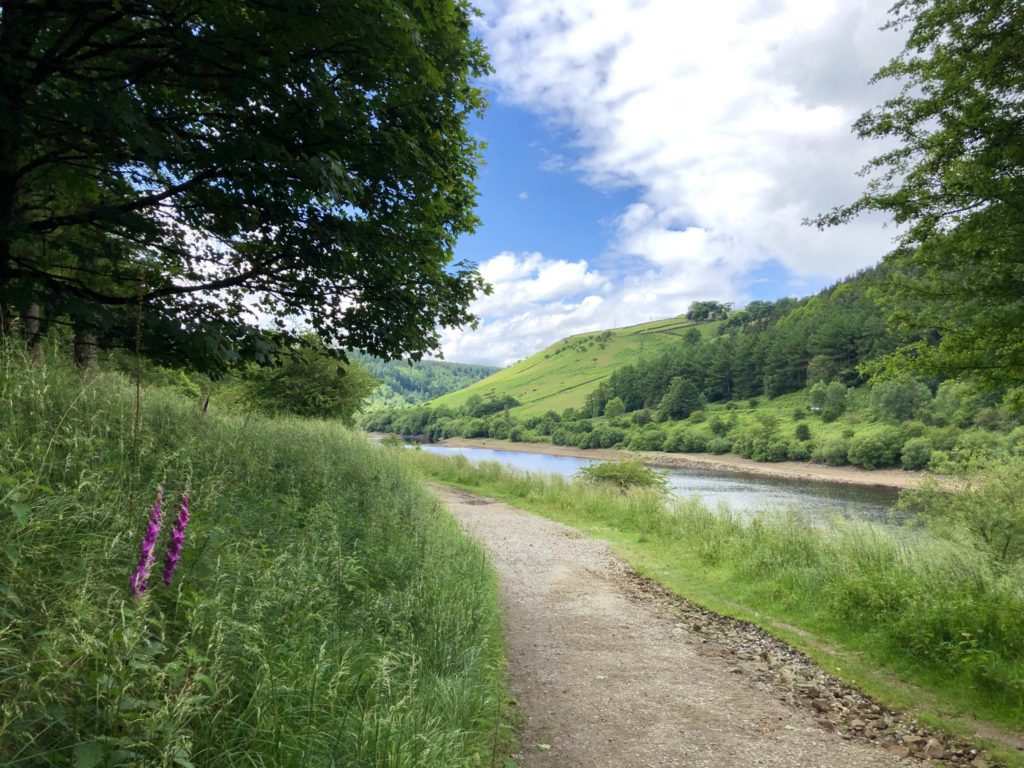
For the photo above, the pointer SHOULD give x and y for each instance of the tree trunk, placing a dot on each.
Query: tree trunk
(85, 349)
(30, 328)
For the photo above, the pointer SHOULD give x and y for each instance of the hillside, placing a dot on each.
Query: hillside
(562, 375)
(404, 383)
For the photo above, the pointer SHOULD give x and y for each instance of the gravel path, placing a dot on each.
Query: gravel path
(608, 672)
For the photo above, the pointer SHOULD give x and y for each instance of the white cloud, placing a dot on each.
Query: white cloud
(524, 195)
(731, 119)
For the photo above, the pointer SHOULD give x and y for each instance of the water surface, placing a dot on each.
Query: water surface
(745, 494)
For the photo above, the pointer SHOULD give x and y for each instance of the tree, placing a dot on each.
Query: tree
(681, 399)
(899, 399)
(701, 311)
(955, 185)
(310, 381)
(829, 400)
(614, 407)
(203, 162)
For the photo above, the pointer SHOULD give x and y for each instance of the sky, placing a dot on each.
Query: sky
(643, 154)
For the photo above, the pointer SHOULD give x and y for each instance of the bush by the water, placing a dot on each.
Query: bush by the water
(623, 475)
(325, 611)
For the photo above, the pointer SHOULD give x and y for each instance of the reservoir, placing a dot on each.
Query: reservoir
(744, 494)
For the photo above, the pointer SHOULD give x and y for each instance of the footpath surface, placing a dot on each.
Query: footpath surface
(609, 671)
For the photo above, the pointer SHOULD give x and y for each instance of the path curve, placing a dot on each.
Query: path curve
(606, 677)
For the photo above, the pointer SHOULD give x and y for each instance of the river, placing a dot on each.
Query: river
(741, 493)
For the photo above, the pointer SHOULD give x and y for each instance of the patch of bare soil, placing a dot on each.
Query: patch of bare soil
(611, 670)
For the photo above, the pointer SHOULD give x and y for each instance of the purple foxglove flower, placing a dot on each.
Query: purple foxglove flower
(140, 577)
(177, 541)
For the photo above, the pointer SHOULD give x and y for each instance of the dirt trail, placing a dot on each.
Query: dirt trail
(608, 673)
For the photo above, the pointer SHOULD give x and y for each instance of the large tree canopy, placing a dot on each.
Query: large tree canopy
(211, 161)
(955, 183)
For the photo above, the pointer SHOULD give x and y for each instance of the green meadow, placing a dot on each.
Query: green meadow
(562, 375)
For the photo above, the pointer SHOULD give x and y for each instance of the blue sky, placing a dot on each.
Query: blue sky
(643, 154)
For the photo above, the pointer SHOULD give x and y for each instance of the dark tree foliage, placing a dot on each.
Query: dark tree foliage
(702, 311)
(955, 183)
(207, 162)
(767, 348)
(309, 381)
(416, 382)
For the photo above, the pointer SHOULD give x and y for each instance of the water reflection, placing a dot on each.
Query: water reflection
(741, 493)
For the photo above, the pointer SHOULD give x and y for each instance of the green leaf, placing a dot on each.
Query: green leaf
(89, 754)
(20, 510)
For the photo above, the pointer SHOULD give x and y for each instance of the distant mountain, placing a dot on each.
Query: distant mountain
(403, 383)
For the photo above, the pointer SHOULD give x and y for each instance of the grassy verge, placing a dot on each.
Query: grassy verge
(325, 612)
(918, 623)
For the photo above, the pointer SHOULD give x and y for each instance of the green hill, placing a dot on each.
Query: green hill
(404, 383)
(562, 375)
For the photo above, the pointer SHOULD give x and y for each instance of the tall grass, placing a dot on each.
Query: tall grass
(938, 607)
(326, 612)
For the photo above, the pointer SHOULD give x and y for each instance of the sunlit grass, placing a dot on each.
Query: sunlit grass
(939, 614)
(325, 611)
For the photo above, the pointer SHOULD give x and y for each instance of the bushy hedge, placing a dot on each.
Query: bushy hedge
(916, 454)
(833, 451)
(879, 447)
(650, 438)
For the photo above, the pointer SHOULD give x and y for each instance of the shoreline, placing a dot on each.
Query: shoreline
(898, 479)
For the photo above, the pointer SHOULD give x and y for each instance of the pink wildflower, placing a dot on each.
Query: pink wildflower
(140, 577)
(177, 541)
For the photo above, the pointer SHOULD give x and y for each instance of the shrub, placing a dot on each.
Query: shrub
(648, 439)
(718, 425)
(799, 413)
(832, 451)
(719, 445)
(989, 510)
(990, 419)
(802, 432)
(624, 475)
(698, 417)
(743, 443)
(675, 442)
(836, 396)
(500, 429)
(605, 437)
(876, 448)
(899, 399)
(911, 429)
(614, 407)
(1015, 442)
(977, 447)
(800, 451)
(776, 449)
(562, 436)
(917, 452)
(641, 417)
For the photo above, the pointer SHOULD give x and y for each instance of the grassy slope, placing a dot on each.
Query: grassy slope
(872, 609)
(562, 375)
(326, 611)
